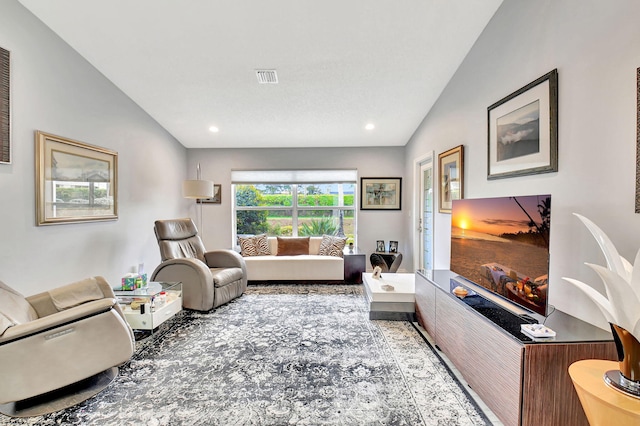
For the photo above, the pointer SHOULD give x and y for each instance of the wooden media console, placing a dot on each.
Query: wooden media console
(524, 381)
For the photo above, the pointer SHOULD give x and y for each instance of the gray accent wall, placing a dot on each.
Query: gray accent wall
(216, 165)
(594, 46)
(54, 90)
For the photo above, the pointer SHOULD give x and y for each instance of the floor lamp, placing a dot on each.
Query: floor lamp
(198, 189)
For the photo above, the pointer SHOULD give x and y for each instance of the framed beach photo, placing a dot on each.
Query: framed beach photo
(451, 177)
(523, 130)
(381, 193)
(75, 181)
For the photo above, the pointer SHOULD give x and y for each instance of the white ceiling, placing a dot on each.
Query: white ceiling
(190, 64)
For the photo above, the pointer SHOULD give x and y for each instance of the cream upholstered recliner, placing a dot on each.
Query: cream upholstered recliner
(209, 278)
(59, 337)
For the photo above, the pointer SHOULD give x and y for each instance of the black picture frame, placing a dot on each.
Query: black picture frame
(216, 199)
(523, 130)
(381, 193)
(5, 107)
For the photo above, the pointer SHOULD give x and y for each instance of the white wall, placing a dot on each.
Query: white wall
(54, 90)
(593, 44)
(217, 164)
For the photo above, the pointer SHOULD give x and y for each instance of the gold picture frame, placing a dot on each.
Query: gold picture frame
(75, 181)
(451, 177)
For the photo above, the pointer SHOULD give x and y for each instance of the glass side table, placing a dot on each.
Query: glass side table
(146, 308)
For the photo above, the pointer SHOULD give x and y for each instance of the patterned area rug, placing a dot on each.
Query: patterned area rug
(280, 355)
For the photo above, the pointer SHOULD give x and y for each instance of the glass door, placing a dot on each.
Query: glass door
(425, 219)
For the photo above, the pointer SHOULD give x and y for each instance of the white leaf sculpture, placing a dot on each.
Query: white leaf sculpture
(621, 306)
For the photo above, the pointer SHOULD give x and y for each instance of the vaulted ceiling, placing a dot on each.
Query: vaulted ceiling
(340, 64)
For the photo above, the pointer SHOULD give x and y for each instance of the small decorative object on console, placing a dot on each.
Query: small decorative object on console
(380, 246)
(537, 330)
(377, 273)
(393, 246)
(460, 291)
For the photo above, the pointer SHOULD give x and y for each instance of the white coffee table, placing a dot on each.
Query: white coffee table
(397, 304)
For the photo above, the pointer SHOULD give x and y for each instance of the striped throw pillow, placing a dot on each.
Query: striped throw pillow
(257, 245)
(332, 246)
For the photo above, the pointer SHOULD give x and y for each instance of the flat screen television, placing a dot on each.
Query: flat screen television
(502, 244)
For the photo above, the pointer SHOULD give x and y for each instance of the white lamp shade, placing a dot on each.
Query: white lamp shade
(197, 189)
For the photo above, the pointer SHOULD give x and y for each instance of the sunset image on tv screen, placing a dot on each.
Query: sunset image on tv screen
(502, 244)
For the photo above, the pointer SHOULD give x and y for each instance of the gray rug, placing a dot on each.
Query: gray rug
(280, 355)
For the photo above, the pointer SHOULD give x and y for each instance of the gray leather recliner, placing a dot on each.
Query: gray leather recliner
(59, 337)
(209, 278)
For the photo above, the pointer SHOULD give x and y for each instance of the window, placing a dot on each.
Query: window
(295, 208)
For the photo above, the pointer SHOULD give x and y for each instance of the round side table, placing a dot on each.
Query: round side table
(602, 404)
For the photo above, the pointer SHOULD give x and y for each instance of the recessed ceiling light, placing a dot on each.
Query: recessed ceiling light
(214, 129)
(370, 126)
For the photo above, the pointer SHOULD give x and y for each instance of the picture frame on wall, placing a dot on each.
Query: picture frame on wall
(450, 177)
(75, 181)
(216, 199)
(523, 130)
(5, 107)
(637, 140)
(381, 193)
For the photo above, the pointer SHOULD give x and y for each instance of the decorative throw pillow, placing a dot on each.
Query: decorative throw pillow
(257, 245)
(332, 246)
(293, 246)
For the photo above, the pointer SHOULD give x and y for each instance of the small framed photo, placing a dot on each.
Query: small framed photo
(451, 177)
(523, 130)
(380, 193)
(393, 246)
(380, 246)
(216, 199)
(75, 181)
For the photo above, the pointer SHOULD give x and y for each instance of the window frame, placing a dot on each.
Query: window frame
(294, 207)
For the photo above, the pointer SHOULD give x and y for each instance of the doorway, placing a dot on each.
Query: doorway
(424, 213)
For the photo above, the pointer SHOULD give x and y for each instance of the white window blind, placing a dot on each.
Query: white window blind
(293, 176)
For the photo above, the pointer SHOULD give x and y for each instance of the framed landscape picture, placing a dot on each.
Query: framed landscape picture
(75, 181)
(451, 177)
(381, 193)
(523, 130)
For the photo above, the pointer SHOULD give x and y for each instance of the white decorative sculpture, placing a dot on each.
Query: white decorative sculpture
(621, 307)
(377, 273)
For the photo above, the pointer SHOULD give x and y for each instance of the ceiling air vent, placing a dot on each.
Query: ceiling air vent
(267, 76)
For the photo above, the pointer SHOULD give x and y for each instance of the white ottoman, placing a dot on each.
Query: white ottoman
(397, 304)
